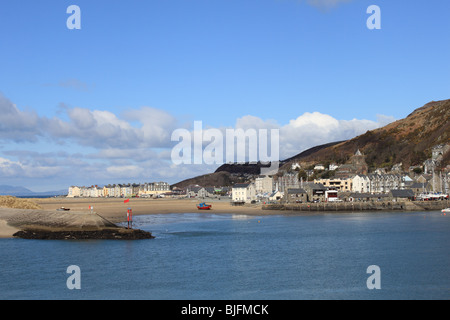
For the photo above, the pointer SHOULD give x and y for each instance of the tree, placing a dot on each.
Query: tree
(417, 170)
(302, 175)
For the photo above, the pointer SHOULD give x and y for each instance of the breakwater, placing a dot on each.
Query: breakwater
(64, 225)
(103, 234)
(361, 206)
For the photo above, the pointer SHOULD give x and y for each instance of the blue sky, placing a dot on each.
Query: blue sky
(149, 67)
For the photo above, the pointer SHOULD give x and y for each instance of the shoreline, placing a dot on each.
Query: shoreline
(7, 231)
(107, 212)
(115, 210)
(105, 215)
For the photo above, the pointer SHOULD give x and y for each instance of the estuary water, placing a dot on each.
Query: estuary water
(233, 257)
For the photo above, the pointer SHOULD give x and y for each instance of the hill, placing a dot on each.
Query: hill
(408, 141)
(209, 180)
(231, 173)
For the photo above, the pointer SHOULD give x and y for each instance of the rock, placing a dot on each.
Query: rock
(101, 234)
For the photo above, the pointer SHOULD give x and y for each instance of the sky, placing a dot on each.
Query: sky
(99, 104)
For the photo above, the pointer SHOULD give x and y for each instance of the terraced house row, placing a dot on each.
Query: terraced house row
(120, 190)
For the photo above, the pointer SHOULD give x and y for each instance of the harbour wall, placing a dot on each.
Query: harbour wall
(361, 206)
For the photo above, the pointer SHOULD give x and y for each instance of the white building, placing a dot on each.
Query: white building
(295, 166)
(126, 191)
(333, 167)
(264, 184)
(361, 184)
(74, 192)
(243, 192)
(288, 180)
(377, 183)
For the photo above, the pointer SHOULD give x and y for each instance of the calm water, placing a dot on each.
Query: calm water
(207, 256)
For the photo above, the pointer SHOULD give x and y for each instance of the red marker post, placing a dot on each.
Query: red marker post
(130, 218)
(129, 215)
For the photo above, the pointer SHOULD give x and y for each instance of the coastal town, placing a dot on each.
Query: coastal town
(350, 182)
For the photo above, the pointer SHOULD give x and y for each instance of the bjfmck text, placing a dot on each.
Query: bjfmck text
(229, 310)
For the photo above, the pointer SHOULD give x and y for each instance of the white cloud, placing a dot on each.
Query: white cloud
(156, 126)
(12, 169)
(136, 145)
(384, 120)
(312, 129)
(105, 130)
(137, 128)
(17, 125)
(252, 122)
(125, 172)
(9, 168)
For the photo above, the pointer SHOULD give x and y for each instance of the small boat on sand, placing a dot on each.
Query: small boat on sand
(204, 206)
(63, 209)
(446, 210)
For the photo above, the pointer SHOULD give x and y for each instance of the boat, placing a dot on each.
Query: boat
(63, 209)
(204, 206)
(446, 210)
(433, 196)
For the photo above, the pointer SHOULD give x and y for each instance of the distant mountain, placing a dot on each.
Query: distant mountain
(6, 190)
(11, 190)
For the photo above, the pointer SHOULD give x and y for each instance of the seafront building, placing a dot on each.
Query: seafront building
(243, 193)
(345, 182)
(353, 182)
(120, 190)
(264, 184)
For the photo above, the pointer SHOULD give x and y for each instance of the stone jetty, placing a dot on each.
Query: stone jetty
(68, 225)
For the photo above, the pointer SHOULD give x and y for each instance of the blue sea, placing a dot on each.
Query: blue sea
(237, 257)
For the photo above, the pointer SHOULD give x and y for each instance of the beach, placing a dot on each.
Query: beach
(6, 231)
(106, 210)
(115, 209)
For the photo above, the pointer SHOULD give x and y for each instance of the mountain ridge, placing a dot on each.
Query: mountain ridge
(18, 191)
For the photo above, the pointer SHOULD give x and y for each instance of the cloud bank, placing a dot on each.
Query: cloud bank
(98, 146)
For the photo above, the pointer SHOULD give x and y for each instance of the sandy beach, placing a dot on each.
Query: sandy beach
(116, 210)
(111, 209)
(6, 231)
